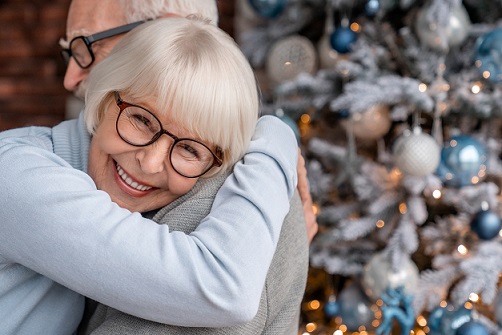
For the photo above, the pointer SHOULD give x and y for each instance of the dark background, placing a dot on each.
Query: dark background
(31, 69)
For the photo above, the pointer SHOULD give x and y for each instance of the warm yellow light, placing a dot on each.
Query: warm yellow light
(475, 88)
(338, 332)
(403, 208)
(443, 304)
(361, 328)
(486, 74)
(316, 208)
(453, 143)
(355, 27)
(310, 327)
(343, 328)
(380, 224)
(379, 302)
(473, 297)
(314, 304)
(436, 194)
(462, 249)
(475, 180)
(422, 87)
(305, 118)
(375, 323)
(287, 63)
(422, 322)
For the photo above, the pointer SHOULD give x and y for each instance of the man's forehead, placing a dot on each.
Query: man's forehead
(87, 17)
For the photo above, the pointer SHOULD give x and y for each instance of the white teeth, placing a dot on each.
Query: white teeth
(129, 181)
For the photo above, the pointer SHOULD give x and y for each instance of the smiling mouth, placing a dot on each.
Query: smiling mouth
(129, 181)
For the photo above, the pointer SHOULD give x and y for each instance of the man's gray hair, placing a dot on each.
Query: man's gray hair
(136, 10)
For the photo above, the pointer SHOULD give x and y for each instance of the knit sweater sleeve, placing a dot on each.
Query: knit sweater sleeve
(55, 222)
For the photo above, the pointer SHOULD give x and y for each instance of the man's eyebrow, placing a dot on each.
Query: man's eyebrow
(63, 43)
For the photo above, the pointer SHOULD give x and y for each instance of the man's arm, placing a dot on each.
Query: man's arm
(73, 234)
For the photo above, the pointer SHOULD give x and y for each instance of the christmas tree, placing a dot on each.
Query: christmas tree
(398, 106)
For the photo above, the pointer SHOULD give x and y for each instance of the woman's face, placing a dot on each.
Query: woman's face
(137, 178)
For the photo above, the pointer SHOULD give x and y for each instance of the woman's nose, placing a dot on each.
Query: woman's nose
(154, 157)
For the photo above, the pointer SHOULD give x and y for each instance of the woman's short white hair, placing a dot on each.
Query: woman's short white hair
(194, 70)
(135, 10)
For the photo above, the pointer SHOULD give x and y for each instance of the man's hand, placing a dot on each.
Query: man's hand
(303, 189)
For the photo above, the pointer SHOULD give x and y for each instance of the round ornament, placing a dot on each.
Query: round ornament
(454, 319)
(488, 55)
(370, 125)
(289, 57)
(378, 275)
(472, 328)
(355, 308)
(434, 319)
(342, 39)
(371, 8)
(486, 224)
(416, 154)
(268, 8)
(331, 308)
(463, 158)
(442, 38)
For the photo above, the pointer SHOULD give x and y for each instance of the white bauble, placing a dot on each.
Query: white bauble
(416, 154)
(442, 38)
(372, 124)
(378, 276)
(289, 57)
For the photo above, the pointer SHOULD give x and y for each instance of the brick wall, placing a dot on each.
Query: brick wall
(31, 89)
(31, 70)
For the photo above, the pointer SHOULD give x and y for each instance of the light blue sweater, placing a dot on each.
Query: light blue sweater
(55, 224)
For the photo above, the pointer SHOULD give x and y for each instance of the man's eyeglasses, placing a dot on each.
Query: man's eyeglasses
(80, 47)
(140, 127)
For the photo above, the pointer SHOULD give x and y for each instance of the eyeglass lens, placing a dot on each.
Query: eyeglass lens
(80, 51)
(139, 127)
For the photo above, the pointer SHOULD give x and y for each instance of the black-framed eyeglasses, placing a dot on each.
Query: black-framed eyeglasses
(80, 47)
(139, 127)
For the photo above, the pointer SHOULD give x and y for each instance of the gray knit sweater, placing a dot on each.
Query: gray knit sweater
(279, 308)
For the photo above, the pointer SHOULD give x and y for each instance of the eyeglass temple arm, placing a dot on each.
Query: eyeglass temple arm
(114, 31)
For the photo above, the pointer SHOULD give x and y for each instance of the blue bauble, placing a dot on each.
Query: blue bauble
(434, 319)
(331, 308)
(355, 308)
(342, 39)
(453, 320)
(372, 7)
(486, 224)
(488, 55)
(268, 8)
(472, 328)
(462, 158)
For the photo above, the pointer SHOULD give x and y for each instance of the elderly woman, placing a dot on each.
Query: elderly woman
(193, 86)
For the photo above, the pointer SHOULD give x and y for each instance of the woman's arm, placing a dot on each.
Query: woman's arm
(55, 222)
